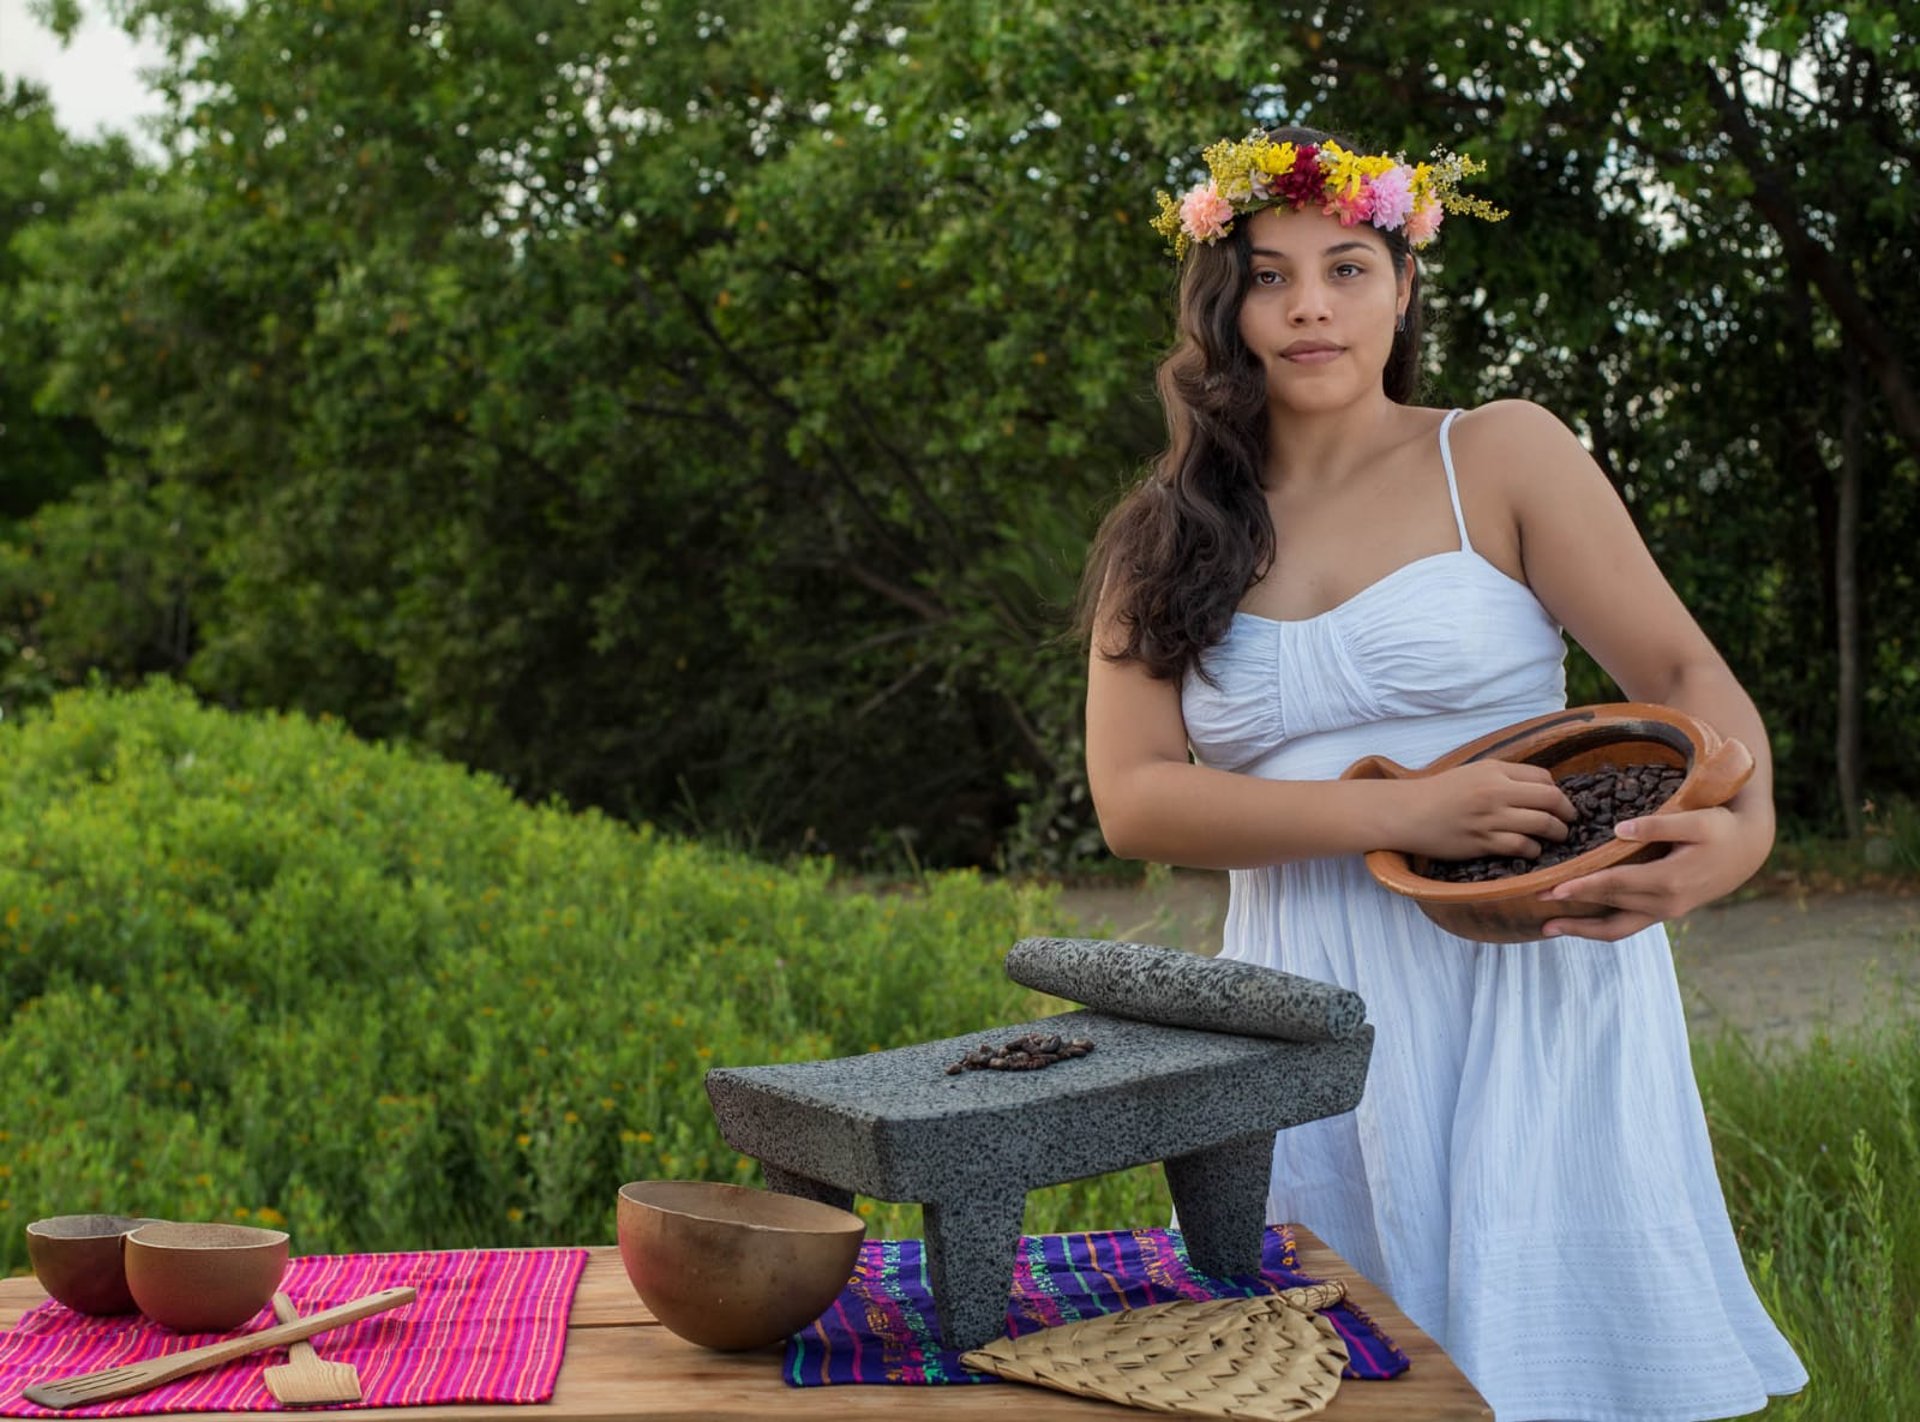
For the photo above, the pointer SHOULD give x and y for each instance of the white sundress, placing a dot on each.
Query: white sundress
(1529, 1174)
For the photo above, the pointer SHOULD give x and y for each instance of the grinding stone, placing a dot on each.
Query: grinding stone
(1178, 989)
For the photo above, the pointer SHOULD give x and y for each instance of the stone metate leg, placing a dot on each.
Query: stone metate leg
(970, 1247)
(1221, 1196)
(785, 1182)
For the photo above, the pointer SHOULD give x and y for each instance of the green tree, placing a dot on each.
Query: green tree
(44, 176)
(703, 413)
(1713, 214)
(47, 453)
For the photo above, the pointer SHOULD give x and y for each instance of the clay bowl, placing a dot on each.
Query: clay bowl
(204, 1278)
(731, 1268)
(1565, 743)
(81, 1260)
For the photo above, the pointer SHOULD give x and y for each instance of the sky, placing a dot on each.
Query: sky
(95, 82)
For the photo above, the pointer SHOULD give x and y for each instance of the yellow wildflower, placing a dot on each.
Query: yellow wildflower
(1346, 171)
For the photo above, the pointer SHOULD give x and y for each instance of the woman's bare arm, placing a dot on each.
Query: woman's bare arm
(1154, 803)
(1590, 569)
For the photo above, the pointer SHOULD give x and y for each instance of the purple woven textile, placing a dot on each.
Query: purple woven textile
(881, 1329)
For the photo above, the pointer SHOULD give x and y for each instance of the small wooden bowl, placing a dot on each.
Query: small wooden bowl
(731, 1268)
(81, 1260)
(204, 1278)
(1623, 733)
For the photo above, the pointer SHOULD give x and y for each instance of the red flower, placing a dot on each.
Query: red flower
(1301, 185)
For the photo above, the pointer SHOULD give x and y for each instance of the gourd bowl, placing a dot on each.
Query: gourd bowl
(1580, 738)
(732, 1268)
(204, 1278)
(81, 1260)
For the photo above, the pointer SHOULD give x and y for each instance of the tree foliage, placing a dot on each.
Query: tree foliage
(701, 411)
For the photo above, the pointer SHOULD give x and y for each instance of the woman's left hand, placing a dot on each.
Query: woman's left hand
(1712, 853)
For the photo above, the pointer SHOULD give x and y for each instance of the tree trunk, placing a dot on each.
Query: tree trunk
(1812, 261)
(1846, 590)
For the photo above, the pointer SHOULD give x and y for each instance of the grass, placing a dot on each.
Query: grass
(1818, 1148)
(1886, 857)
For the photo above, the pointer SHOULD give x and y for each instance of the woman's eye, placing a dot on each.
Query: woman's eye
(1267, 278)
(1349, 269)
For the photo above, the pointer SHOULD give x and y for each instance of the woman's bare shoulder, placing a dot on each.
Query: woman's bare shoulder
(1515, 433)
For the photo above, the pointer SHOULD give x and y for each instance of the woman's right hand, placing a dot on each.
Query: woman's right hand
(1489, 807)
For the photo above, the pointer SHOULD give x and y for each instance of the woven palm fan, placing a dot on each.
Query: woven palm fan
(1272, 1357)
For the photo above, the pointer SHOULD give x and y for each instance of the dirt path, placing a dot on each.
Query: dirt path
(1778, 968)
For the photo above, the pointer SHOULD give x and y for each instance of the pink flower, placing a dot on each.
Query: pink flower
(1392, 199)
(1424, 221)
(1356, 207)
(1204, 213)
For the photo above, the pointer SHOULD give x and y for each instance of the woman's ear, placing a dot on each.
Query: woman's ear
(1406, 292)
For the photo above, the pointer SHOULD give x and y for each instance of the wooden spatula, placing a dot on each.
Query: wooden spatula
(105, 1384)
(304, 1380)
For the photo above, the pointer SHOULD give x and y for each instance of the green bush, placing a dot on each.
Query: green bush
(251, 968)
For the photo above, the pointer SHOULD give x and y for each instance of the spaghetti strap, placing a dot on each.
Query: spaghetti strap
(1453, 486)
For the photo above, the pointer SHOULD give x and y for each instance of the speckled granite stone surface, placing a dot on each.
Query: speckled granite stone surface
(894, 1125)
(1180, 989)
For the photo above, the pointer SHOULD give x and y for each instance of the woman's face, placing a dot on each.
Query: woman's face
(1320, 308)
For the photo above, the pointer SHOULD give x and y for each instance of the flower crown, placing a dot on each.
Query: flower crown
(1391, 193)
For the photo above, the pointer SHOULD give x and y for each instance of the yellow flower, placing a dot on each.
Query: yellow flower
(1448, 171)
(1346, 171)
(1167, 224)
(515, 1214)
(1275, 159)
(1231, 165)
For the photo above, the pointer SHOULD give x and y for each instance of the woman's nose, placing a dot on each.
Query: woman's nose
(1309, 304)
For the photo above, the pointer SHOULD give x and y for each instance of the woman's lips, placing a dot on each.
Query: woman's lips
(1319, 357)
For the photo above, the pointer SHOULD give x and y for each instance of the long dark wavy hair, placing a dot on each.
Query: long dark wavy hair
(1177, 553)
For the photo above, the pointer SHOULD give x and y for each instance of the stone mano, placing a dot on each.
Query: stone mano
(894, 1125)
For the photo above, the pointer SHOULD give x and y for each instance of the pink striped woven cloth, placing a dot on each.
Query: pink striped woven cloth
(489, 1325)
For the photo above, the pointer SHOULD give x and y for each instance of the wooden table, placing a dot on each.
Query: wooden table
(622, 1365)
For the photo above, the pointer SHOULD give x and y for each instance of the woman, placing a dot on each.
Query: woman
(1318, 569)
